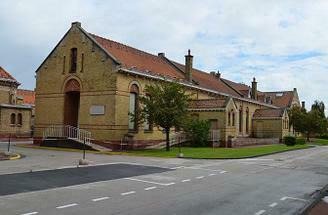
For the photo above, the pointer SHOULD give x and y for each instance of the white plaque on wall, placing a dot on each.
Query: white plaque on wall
(97, 110)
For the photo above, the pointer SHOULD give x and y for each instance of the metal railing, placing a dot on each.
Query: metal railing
(69, 132)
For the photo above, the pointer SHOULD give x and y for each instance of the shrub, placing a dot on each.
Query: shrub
(198, 132)
(300, 141)
(289, 140)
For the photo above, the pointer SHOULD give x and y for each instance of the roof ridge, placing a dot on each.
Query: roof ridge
(127, 46)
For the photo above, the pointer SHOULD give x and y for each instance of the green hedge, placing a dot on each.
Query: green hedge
(300, 141)
(290, 141)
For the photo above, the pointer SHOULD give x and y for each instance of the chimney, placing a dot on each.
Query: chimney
(303, 104)
(216, 74)
(254, 89)
(76, 24)
(161, 54)
(188, 66)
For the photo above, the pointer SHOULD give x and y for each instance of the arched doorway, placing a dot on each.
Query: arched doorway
(72, 103)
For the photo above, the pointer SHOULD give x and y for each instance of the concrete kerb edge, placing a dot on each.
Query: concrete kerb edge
(255, 156)
(315, 200)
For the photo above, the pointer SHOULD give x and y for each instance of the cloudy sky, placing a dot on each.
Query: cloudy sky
(284, 44)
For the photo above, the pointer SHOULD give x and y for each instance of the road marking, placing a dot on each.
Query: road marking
(100, 199)
(149, 182)
(214, 170)
(200, 177)
(169, 184)
(150, 188)
(260, 212)
(212, 174)
(186, 180)
(31, 213)
(66, 206)
(292, 198)
(128, 193)
(178, 167)
(222, 172)
(273, 205)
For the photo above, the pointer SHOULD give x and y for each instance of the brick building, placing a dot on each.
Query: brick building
(92, 83)
(15, 107)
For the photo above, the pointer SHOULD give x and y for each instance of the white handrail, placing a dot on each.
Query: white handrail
(69, 132)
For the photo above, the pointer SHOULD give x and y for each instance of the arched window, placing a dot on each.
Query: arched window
(229, 119)
(134, 91)
(233, 119)
(73, 60)
(240, 119)
(19, 119)
(13, 119)
(247, 120)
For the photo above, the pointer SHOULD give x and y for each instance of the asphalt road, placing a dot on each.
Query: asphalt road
(276, 184)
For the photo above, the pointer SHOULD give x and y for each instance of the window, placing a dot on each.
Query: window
(268, 100)
(64, 62)
(229, 119)
(20, 119)
(241, 119)
(13, 119)
(247, 120)
(233, 119)
(133, 107)
(73, 60)
(148, 122)
(279, 94)
(82, 62)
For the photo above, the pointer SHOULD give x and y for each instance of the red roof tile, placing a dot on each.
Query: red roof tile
(207, 103)
(263, 113)
(28, 96)
(137, 59)
(6, 75)
(280, 99)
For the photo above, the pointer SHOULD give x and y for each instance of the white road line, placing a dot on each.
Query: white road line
(212, 174)
(169, 184)
(292, 198)
(31, 213)
(186, 180)
(150, 188)
(178, 167)
(100, 199)
(67, 206)
(214, 170)
(149, 182)
(128, 193)
(200, 177)
(260, 212)
(273, 205)
(222, 172)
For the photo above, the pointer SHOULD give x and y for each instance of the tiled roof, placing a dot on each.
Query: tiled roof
(207, 103)
(4, 74)
(207, 80)
(264, 113)
(137, 59)
(28, 96)
(280, 99)
(241, 88)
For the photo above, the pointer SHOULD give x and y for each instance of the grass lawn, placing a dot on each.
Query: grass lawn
(321, 142)
(217, 152)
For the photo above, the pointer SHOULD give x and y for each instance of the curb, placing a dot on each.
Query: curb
(255, 156)
(318, 195)
(15, 157)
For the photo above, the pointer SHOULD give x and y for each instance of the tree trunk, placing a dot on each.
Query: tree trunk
(167, 131)
(308, 136)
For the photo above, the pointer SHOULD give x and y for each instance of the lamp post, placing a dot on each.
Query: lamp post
(9, 140)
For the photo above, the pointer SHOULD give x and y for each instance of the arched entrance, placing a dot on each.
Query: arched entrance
(72, 103)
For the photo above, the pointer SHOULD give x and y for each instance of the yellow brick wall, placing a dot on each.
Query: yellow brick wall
(4, 95)
(5, 120)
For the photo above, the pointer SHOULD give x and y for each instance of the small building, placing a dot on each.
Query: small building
(270, 123)
(15, 114)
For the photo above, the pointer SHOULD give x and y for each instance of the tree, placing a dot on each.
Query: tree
(320, 107)
(164, 106)
(198, 131)
(314, 123)
(297, 118)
